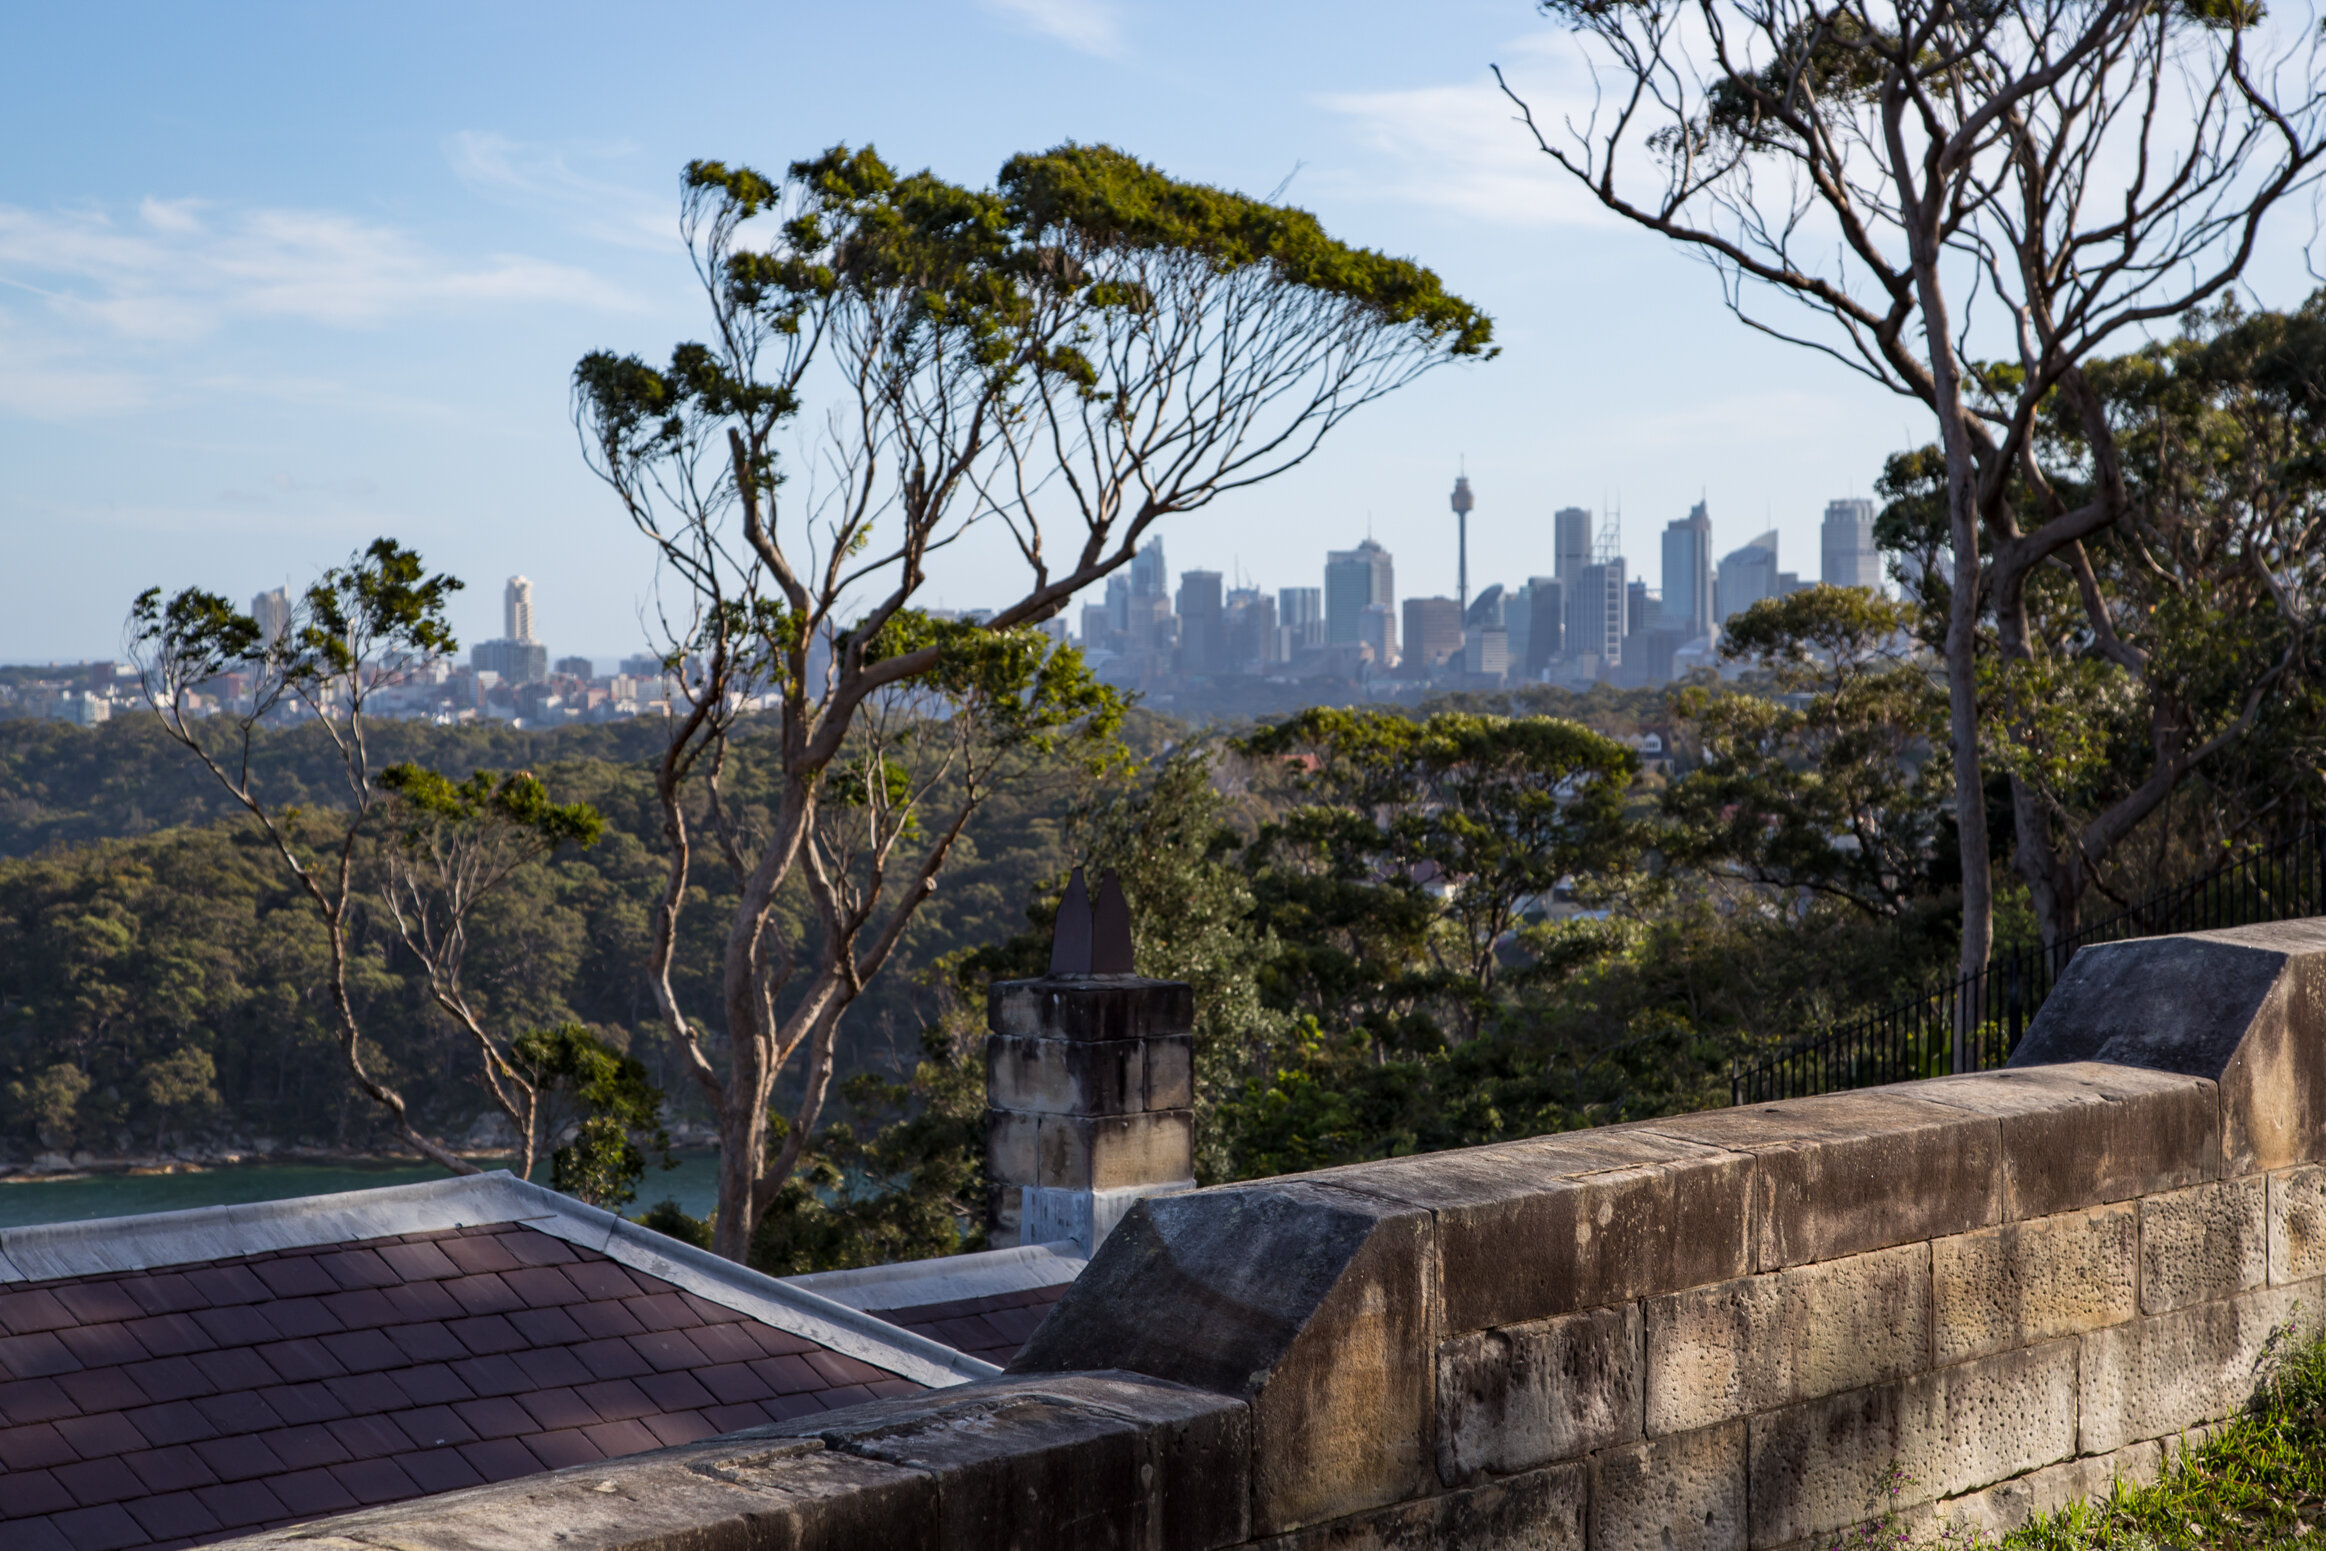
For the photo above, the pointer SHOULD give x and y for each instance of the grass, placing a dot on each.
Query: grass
(2257, 1484)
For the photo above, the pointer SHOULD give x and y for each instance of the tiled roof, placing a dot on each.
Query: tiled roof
(169, 1406)
(992, 1328)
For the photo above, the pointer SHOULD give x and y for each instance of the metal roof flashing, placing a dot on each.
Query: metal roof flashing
(112, 1245)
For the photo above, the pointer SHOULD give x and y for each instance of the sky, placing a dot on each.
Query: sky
(276, 280)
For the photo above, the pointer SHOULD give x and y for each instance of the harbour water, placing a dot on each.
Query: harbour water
(693, 1184)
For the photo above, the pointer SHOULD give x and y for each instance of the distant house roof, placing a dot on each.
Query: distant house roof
(183, 1377)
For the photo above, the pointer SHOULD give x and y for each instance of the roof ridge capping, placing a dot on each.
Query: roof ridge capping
(104, 1246)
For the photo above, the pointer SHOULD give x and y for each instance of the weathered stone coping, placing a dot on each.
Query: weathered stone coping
(204, 1233)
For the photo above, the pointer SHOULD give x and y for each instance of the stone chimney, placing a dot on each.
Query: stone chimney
(1090, 1083)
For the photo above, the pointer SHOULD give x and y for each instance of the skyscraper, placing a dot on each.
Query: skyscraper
(1433, 634)
(1688, 573)
(1570, 543)
(1747, 576)
(1546, 598)
(1300, 614)
(1355, 580)
(1850, 558)
(272, 610)
(1203, 646)
(517, 610)
(1596, 614)
(1150, 577)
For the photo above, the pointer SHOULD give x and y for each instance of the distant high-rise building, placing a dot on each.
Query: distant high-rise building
(1546, 607)
(1643, 609)
(1377, 634)
(1747, 576)
(1150, 577)
(1300, 614)
(517, 662)
(1487, 610)
(1688, 573)
(1118, 604)
(1849, 556)
(517, 610)
(1570, 542)
(1203, 646)
(1098, 628)
(1355, 580)
(1433, 634)
(272, 610)
(1250, 629)
(576, 668)
(1595, 613)
(1486, 652)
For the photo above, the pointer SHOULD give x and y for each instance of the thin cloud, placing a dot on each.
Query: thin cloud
(545, 177)
(1087, 26)
(183, 270)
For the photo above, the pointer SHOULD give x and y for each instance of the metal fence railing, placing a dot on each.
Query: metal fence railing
(1975, 1023)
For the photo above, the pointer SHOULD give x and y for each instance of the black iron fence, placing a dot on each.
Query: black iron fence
(1974, 1024)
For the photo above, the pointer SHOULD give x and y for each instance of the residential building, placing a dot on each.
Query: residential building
(516, 662)
(1355, 580)
(517, 609)
(1688, 573)
(1747, 576)
(272, 610)
(1849, 558)
(576, 668)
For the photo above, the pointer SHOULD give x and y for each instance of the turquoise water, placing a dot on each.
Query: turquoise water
(694, 1184)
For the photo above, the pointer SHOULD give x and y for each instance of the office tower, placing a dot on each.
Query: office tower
(1570, 542)
(1150, 577)
(1595, 617)
(1850, 558)
(1203, 646)
(1250, 630)
(1433, 634)
(1300, 613)
(1118, 604)
(1688, 573)
(1747, 576)
(1355, 580)
(1546, 631)
(1377, 633)
(1152, 626)
(517, 610)
(1098, 628)
(1518, 619)
(1489, 610)
(1486, 652)
(272, 610)
(1462, 505)
(1643, 610)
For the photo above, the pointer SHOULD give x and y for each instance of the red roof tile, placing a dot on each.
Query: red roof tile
(164, 1408)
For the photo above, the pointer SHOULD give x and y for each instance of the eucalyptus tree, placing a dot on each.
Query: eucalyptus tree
(1964, 201)
(425, 848)
(898, 370)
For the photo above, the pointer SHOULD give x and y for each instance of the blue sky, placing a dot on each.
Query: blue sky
(277, 279)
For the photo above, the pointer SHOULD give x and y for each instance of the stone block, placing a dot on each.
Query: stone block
(1725, 1351)
(1171, 1071)
(1685, 1492)
(1096, 1007)
(2008, 1505)
(1084, 1458)
(1065, 1076)
(2206, 1242)
(1108, 1152)
(2245, 1008)
(2297, 1225)
(2005, 1415)
(1542, 1510)
(1316, 1305)
(2026, 1282)
(1528, 1395)
(2084, 1133)
(1849, 1172)
(2162, 1373)
(1825, 1464)
(1013, 1147)
(1532, 1229)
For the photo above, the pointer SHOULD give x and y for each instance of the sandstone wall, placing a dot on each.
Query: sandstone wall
(1716, 1331)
